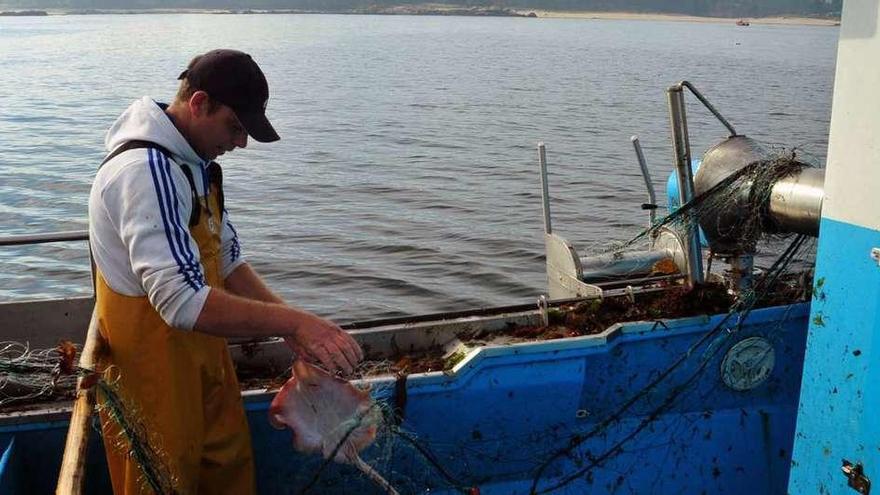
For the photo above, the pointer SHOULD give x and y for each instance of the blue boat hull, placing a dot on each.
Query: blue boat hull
(609, 413)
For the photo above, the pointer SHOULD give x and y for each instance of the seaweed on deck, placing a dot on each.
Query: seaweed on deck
(29, 377)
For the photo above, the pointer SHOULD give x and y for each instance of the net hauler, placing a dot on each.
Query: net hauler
(737, 194)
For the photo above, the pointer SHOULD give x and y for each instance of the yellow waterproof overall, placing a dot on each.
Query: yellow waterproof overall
(181, 384)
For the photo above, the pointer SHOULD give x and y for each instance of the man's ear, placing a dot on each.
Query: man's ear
(199, 103)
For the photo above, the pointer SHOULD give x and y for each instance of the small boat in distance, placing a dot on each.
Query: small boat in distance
(742, 22)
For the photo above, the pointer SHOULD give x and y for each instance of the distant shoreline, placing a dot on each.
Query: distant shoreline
(444, 10)
(774, 20)
(422, 9)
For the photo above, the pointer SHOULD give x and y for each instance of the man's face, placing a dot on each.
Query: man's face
(216, 132)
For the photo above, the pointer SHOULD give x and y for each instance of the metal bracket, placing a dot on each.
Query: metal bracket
(855, 475)
(544, 309)
(630, 294)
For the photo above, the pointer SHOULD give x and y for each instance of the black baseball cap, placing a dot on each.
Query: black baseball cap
(235, 80)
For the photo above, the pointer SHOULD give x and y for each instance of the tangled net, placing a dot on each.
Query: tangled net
(639, 422)
(132, 435)
(558, 459)
(29, 374)
(745, 193)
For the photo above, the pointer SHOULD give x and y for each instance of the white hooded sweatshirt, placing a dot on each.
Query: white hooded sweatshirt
(139, 210)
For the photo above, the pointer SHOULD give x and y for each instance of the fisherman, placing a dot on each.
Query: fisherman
(171, 282)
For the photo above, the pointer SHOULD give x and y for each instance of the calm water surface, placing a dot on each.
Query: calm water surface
(406, 179)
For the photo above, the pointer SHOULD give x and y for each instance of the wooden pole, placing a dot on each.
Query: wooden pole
(70, 479)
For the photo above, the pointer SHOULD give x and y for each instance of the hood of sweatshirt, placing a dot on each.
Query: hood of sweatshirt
(145, 120)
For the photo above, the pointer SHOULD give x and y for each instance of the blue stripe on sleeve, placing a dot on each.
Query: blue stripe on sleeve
(188, 267)
(164, 214)
(172, 224)
(236, 247)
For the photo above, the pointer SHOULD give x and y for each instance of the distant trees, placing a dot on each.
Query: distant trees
(724, 8)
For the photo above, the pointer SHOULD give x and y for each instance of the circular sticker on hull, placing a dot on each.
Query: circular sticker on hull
(748, 363)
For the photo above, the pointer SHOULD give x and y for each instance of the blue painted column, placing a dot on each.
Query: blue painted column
(839, 413)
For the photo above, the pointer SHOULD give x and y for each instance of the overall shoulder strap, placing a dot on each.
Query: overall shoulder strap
(133, 145)
(215, 176)
(196, 213)
(137, 144)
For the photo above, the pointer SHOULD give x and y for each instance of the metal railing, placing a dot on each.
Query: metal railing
(31, 239)
(26, 239)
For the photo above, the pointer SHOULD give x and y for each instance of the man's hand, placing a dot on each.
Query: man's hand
(248, 308)
(311, 337)
(320, 340)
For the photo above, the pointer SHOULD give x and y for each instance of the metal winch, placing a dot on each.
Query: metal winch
(791, 203)
(762, 193)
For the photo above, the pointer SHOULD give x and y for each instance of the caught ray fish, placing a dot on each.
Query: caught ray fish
(328, 415)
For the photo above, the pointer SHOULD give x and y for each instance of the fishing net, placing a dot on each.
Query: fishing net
(646, 426)
(744, 194)
(637, 430)
(27, 375)
(124, 424)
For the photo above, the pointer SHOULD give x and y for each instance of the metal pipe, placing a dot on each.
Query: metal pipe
(708, 106)
(686, 146)
(652, 196)
(796, 202)
(615, 284)
(622, 265)
(19, 240)
(30, 239)
(695, 262)
(680, 148)
(545, 190)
